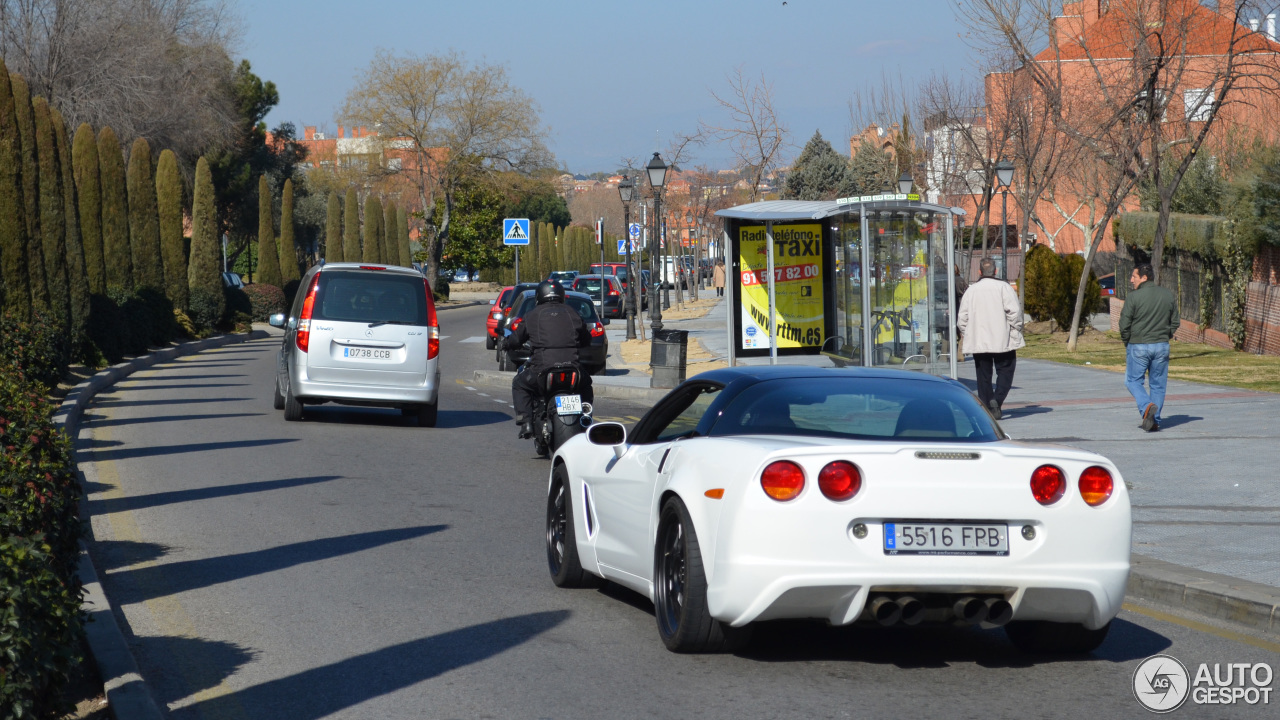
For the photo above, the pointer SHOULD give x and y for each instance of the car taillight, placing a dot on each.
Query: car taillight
(782, 480)
(433, 325)
(372, 267)
(516, 323)
(840, 480)
(1096, 485)
(597, 329)
(497, 316)
(1048, 484)
(303, 338)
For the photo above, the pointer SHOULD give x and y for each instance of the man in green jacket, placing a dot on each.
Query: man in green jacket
(1147, 323)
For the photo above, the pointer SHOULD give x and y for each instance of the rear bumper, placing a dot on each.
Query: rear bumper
(425, 393)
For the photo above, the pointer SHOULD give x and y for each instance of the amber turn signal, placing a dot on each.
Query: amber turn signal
(715, 493)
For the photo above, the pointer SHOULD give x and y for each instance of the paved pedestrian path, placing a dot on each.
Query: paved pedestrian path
(1205, 488)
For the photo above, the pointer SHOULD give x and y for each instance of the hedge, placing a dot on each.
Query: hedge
(265, 301)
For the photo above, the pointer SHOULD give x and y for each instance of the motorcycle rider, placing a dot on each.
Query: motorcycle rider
(555, 331)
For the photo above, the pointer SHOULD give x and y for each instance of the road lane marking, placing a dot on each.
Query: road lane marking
(468, 387)
(484, 394)
(476, 339)
(1203, 627)
(499, 401)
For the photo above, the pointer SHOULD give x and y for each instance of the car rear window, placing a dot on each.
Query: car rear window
(584, 307)
(858, 408)
(370, 297)
(591, 286)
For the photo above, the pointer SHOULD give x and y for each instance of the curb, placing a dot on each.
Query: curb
(127, 693)
(469, 303)
(1244, 604)
(499, 378)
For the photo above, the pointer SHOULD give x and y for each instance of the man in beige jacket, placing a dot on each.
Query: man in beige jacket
(990, 324)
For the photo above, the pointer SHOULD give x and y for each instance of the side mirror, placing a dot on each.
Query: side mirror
(604, 321)
(276, 320)
(610, 434)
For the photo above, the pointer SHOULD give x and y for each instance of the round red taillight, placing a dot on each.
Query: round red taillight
(1047, 484)
(782, 480)
(840, 480)
(1096, 485)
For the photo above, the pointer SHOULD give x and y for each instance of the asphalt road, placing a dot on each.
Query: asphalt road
(354, 565)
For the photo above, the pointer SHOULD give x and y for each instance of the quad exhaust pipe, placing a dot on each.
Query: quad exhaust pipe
(970, 610)
(885, 611)
(967, 609)
(999, 611)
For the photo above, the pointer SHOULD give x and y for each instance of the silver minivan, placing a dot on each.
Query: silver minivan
(360, 335)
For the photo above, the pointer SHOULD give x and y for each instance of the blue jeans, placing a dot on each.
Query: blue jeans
(1149, 361)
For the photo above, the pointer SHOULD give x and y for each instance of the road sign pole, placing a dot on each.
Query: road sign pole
(603, 279)
(517, 282)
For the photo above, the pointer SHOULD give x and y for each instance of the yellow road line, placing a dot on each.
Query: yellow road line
(167, 613)
(1203, 627)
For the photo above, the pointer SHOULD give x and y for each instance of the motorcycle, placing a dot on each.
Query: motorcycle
(558, 411)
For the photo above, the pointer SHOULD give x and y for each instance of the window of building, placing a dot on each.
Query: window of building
(1199, 104)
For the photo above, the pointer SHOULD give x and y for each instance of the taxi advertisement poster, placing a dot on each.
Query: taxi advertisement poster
(797, 270)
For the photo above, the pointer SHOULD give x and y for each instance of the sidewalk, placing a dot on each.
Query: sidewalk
(1205, 490)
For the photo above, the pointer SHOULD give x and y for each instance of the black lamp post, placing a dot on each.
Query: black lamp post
(657, 171)
(691, 280)
(627, 190)
(1004, 176)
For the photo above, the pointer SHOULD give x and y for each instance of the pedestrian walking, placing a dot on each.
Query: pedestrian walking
(717, 278)
(990, 323)
(1147, 323)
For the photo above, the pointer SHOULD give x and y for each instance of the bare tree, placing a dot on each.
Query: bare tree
(755, 133)
(453, 119)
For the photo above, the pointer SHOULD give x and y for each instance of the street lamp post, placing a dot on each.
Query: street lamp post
(692, 278)
(1004, 175)
(657, 171)
(627, 189)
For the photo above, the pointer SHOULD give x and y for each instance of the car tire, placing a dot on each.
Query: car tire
(427, 414)
(490, 342)
(504, 362)
(562, 536)
(292, 407)
(277, 400)
(680, 590)
(1041, 637)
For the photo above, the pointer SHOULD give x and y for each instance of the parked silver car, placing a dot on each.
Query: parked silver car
(360, 335)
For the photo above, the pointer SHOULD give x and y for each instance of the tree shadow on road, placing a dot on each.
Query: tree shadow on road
(174, 401)
(153, 451)
(148, 583)
(184, 386)
(139, 502)
(179, 667)
(113, 554)
(323, 691)
(94, 421)
(470, 418)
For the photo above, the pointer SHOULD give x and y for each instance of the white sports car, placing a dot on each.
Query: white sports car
(879, 496)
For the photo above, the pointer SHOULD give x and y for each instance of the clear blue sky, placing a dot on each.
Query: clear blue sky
(611, 76)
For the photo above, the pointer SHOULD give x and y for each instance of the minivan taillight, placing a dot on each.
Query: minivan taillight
(303, 338)
(433, 326)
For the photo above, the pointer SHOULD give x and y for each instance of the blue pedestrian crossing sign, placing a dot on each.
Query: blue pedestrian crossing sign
(515, 231)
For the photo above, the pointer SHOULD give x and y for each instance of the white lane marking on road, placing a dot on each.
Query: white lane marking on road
(500, 402)
(469, 388)
(476, 339)
(444, 337)
(484, 394)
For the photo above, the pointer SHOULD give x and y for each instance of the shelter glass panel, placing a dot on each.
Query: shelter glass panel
(846, 232)
(908, 313)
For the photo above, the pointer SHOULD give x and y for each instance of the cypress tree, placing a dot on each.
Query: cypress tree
(53, 218)
(333, 229)
(144, 220)
(351, 228)
(372, 230)
(77, 281)
(30, 193)
(288, 251)
(268, 256)
(402, 237)
(390, 245)
(172, 245)
(84, 161)
(14, 277)
(117, 258)
(204, 277)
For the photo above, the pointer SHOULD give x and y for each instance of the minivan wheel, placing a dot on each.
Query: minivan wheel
(277, 400)
(292, 407)
(427, 414)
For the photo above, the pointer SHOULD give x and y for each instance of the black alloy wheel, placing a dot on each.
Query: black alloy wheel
(562, 544)
(672, 578)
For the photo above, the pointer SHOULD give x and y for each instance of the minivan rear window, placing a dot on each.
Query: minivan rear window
(370, 297)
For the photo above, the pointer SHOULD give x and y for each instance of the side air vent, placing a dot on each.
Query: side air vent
(589, 511)
(934, 455)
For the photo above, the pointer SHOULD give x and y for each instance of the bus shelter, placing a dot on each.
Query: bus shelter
(867, 281)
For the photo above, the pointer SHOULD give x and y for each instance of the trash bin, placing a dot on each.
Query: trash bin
(667, 358)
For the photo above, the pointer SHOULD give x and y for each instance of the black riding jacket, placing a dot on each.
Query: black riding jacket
(555, 331)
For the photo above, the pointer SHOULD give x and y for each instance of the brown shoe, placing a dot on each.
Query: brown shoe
(1149, 418)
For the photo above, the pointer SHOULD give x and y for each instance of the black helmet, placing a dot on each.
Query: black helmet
(550, 291)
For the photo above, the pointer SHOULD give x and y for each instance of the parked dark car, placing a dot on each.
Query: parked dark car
(614, 301)
(1108, 283)
(592, 358)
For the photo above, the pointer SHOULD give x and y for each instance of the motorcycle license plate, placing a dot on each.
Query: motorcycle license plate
(568, 404)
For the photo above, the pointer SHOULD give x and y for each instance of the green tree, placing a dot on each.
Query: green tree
(116, 254)
(390, 228)
(204, 277)
(172, 244)
(402, 237)
(14, 278)
(872, 170)
(30, 193)
(372, 230)
(268, 256)
(144, 220)
(476, 238)
(351, 251)
(288, 249)
(1266, 197)
(1044, 293)
(84, 162)
(536, 200)
(820, 173)
(53, 217)
(333, 229)
(77, 279)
